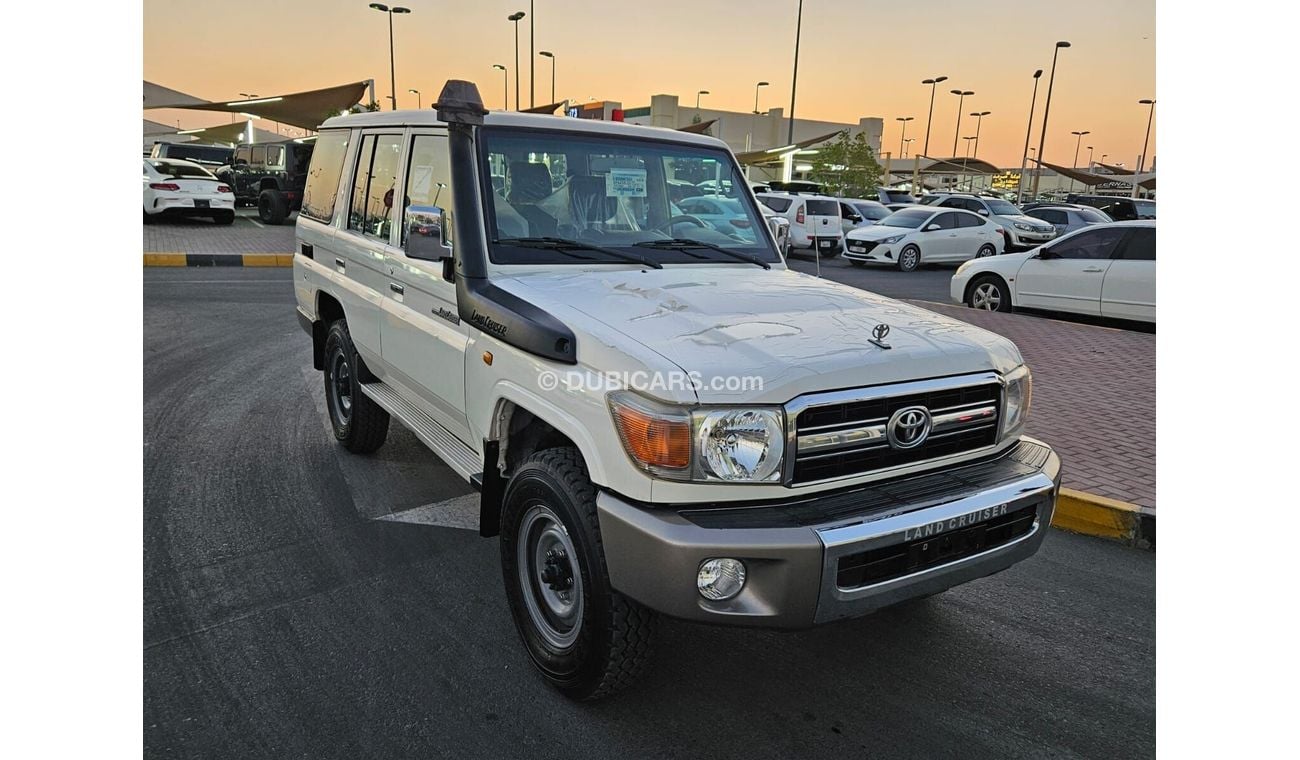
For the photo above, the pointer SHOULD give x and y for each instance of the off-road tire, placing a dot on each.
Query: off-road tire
(364, 426)
(272, 207)
(614, 633)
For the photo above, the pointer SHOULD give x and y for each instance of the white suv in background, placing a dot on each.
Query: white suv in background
(815, 222)
(1022, 232)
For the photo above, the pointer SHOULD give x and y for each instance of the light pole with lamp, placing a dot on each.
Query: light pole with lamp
(392, 65)
(1089, 147)
(907, 143)
(1047, 107)
(756, 89)
(515, 17)
(969, 182)
(697, 98)
(979, 121)
(794, 78)
(929, 119)
(1029, 128)
(960, 100)
(532, 57)
(505, 86)
(419, 101)
(549, 54)
(1075, 164)
(1142, 162)
(902, 136)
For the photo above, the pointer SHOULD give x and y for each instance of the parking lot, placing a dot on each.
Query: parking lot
(301, 602)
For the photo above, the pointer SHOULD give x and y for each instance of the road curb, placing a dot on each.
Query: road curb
(1092, 515)
(218, 259)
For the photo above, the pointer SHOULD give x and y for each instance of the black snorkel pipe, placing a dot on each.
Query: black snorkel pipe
(497, 312)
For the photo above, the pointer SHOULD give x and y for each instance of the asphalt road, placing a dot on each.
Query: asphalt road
(287, 614)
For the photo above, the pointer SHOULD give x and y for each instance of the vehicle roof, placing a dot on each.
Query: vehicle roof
(181, 161)
(428, 117)
(861, 200)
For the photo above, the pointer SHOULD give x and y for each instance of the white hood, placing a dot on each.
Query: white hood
(795, 332)
(877, 232)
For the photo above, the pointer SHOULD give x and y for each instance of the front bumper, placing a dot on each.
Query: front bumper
(807, 557)
(871, 253)
(1022, 239)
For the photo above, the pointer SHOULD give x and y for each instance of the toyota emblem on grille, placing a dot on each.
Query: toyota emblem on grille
(908, 427)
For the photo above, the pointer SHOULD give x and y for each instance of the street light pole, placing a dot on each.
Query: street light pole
(1047, 107)
(1029, 128)
(960, 100)
(515, 17)
(979, 120)
(1142, 162)
(392, 64)
(419, 101)
(1075, 163)
(1089, 147)
(756, 88)
(929, 119)
(902, 136)
(505, 86)
(697, 98)
(906, 143)
(549, 54)
(794, 79)
(532, 57)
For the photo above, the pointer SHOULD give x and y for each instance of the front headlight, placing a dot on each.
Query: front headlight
(1018, 386)
(894, 239)
(1022, 226)
(734, 445)
(964, 266)
(740, 444)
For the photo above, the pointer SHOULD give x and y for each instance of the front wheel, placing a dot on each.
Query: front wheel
(588, 640)
(909, 259)
(989, 293)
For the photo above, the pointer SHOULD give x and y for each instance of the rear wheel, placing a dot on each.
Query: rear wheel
(588, 640)
(985, 251)
(359, 423)
(989, 293)
(272, 207)
(909, 259)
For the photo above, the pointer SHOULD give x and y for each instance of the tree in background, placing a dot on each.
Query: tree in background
(847, 166)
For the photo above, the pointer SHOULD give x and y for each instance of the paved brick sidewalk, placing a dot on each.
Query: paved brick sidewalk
(1094, 398)
(246, 235)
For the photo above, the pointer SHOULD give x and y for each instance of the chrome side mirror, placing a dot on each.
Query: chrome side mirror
(426, 233)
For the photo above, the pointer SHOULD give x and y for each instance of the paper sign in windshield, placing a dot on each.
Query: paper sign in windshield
(625, 183)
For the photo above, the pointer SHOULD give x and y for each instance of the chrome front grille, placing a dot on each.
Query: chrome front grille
(846, 433)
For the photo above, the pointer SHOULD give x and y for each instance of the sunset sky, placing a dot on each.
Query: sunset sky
(857, 59)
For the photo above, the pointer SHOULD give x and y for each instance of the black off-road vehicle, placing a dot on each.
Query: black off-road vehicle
(270, 175)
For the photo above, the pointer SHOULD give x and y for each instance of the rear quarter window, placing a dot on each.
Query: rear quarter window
(321, 190)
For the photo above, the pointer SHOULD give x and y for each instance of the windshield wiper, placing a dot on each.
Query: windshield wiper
(671, 243)
(564, 245)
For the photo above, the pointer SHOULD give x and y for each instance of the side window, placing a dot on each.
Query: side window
(953, 203)
(323, 177)
(242, 154)
(946, 221)
(259, 155)
(1049, 215)
(968, 220)
(371, 212)
(1093, 244)
(1120, 211)
(428, 182)
(1141, 246)
(275, 155)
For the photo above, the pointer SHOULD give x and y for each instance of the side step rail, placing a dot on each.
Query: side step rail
(448, 447)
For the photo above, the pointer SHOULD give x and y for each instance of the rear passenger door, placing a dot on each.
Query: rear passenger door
(1129, 289)
(424, 338)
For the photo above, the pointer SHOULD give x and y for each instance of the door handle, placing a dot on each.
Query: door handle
(341, 264)
(1094, 269)
(398, 289)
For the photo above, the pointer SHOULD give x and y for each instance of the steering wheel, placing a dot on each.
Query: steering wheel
(679, 219)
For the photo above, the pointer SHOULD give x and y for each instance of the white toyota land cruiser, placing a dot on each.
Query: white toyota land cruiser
(659, 415)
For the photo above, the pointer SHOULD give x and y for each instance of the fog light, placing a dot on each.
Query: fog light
(720, 579)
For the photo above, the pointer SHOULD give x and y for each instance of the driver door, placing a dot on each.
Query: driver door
(423, 337)
(1071, 276)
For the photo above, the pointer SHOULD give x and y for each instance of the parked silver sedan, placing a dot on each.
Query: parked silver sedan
(1069, 218)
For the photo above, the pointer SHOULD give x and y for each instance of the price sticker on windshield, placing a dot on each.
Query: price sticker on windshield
(625, 183)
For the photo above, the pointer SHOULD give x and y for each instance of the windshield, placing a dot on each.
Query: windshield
(616, 193)
(872, 211)
(1001, 207)
(175, 169)
(909, 218)
(898, 196)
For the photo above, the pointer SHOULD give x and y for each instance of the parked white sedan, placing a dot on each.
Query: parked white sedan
(183, 188)
(1106, 270)
(923, 235)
